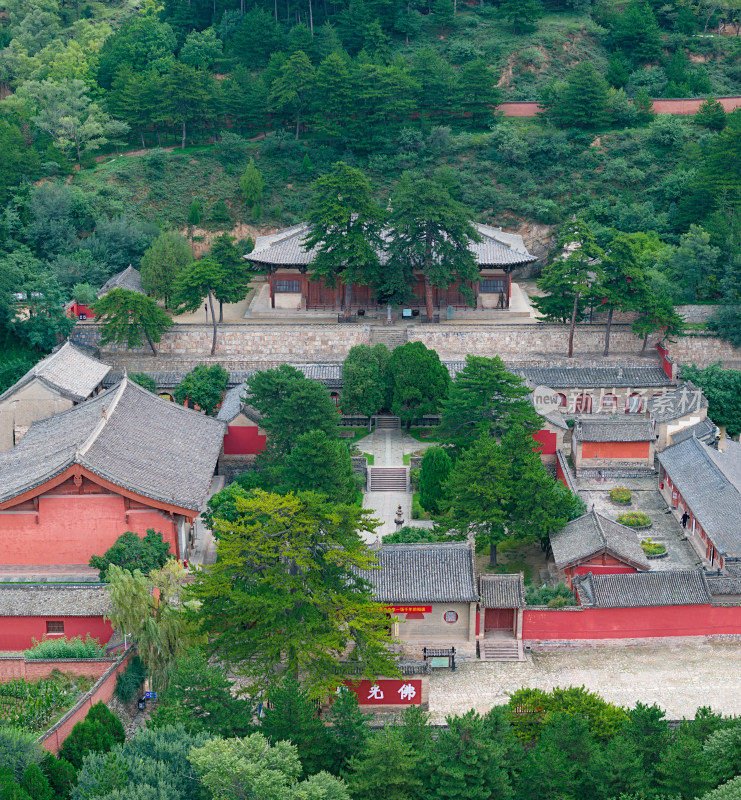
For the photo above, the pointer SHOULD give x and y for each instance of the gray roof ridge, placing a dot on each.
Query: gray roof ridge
(601, 530)
(149, 395)
(106, 414)
(424, 545)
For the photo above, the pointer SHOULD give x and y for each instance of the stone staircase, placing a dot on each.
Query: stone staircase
(501, 650)
(391, 337)
(387, 423)
(388, 479)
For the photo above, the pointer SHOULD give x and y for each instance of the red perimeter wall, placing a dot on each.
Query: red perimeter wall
(101, 692)
(71, 528)
(34, 669)
(629, 623)
(548, 440)
(16, 633)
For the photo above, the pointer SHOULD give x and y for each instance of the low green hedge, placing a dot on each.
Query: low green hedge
(651, 548)
(63, 647)
(634, 519)
(621, 495)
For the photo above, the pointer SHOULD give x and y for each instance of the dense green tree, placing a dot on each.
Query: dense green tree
(291, 405)
(466, 761)
(622, 283)
(522, 14)
(292, 89)
(232, 769)
(236, 272)
(99, 712)
(537, 506)
(618, 70)
(188, 93)
(477, 493)
(722, 387)
(293, 717)
(154, 609)
(201, 49)
(41, 320)
(432, 232)
(195, 283)
(419, 382)
(711, 114)
(321, 464)
(694, 264)
(582, 101)
(131, 551)
(345, 230)
(485, 399)
(301, 601)
(86, 737)
(725, 321)
(558, 767)
(657, 314)
(144, 380)
(61, 775)
(251, 184)
(646, 727)
(19, 161)
(200, 697)
(163, 261)
(129, 318)
(36, 783)
(333, 105)
(348, 733)
(435, 468)
(569, 280)
(636, 32)
(387, 767)
(18, 750)
(204, 386)
(684, 770)
(142, 42)
(365, 384)
(722, 752)
(478, 92)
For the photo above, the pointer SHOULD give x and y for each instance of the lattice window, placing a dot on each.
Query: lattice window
(491, 286)
(54, 626)
(284, 286)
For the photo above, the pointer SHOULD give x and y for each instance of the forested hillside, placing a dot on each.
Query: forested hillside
(227, 110)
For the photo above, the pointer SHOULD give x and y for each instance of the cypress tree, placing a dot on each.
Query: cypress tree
(436, 466)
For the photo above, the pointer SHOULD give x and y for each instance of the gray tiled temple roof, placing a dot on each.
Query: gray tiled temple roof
(285, 248)
(129, 279)
(684, 400)
(125, 435)
(695, 469)
(728, 583)
(608, 429)
(595, 377)
(69, 370)
(424, 573)
(233, 405)
(502, 591)
(50, 600)
(643, 589)
(703, 431)
(593, 534)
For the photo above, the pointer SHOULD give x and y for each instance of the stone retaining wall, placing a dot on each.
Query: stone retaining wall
(242, 347)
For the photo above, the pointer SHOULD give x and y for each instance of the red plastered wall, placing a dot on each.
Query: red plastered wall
(548, 440)
(243, 440)
(617, 450)
(17, 633)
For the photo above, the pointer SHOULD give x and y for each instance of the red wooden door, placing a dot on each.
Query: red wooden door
(499, 619)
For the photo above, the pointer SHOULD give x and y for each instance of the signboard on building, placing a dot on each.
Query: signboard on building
(387, 692)
(408, 609)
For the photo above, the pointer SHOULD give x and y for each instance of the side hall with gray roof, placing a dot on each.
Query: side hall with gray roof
(127, 436)
(643, 589)
(424, 573)
(54, 600)
(611, 429)
(129, 279)
(592, 535)
(502, 591)
(709, 483)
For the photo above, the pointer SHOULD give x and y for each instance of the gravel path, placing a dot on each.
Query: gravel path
(679, 678)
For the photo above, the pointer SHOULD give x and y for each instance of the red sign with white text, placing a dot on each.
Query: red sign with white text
(387, 692)
(408, 609)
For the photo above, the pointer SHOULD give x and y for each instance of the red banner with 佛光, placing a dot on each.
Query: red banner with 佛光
(387, 692)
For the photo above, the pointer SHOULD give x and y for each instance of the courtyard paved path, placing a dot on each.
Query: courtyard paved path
(679, 677)
(388, 446)
(646, 497)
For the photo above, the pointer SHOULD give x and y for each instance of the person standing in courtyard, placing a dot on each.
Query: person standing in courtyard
(685, 519)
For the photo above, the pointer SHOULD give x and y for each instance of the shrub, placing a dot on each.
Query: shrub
(634, 519)
(76, 647)
(60, 774)
(86, 737)
(18, 750)
(552, 596)
(414, 478)
(129, 681)
(131, 551)
(621, 495)
(144, 380)
(435, 468)
(102, 714)
(412, 535)
(651, 548)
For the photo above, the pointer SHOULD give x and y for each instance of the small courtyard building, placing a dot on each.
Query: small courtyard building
(61, 380)
(597, 545)
(125, 460)
(607, 445)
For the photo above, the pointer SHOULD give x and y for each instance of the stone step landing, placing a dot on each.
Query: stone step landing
(501, 650)
(388, 479)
